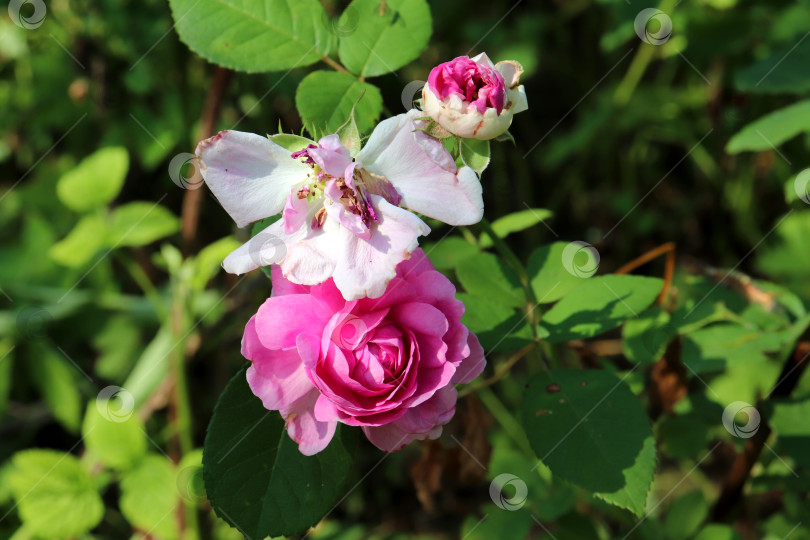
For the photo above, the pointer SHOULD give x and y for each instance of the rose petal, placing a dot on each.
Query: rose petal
(249, 174)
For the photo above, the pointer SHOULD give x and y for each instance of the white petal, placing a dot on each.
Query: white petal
(266, 248)
(364, 267)
(518, 99)
(511, 71)
(417, 166)
(250, 175)
(483, 59)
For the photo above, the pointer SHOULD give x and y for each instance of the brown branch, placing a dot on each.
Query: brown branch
(741, 468)
(669, 269)
(193, 197)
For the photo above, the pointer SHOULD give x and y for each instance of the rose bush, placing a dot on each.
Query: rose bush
(388, 364)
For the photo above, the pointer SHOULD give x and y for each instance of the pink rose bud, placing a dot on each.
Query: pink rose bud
(388, 365)
(473, 98)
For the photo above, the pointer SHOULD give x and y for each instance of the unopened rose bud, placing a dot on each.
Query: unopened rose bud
(473, 98)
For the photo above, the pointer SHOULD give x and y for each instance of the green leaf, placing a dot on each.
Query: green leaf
(722, 346)
(117, 343)
(95, 181)
(783, 71)
(599, 304)
(112, 433)
(255, 476)
(254, 35)
(450, 252)
(772, 129)
(325, 100)
(139, 223)
(86, 238)
(149, 497)
(151, 367)
(485, 275)
(553, 272)
(291, 142)
(56, 497)
(208, 261)
(789, 420)
(57, 380)
(588, 428)
(516, 222)
(475, 154)
(645, 338)
(6, 364)
(498, 523)
(498, 327)
(686, 515)
(388, 36)
(349, 133)
(716, 531)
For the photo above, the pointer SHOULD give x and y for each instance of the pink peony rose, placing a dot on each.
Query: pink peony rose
(386, 364)
(474, 98)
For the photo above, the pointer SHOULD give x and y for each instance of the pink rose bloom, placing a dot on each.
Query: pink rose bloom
(473, 98)
(387, 364)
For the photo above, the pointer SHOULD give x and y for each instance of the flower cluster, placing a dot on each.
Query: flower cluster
(361, 329)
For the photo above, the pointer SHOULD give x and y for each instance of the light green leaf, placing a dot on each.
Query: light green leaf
(554, 271)
(772, 129)
(86, 238)
(255, 476)
(571, 418)
(499, 523)
(325, 100)
(599, 304)
(388, 36)
(113, 433)
(151, 367)
(485, 275)
(55, 496)
(291, 142)
(149, 496)
(450, 252)
(716, 531)
(254, 35)
(789, 420)
(516, 222)
(117, 343)
(57, 380)
(95, 181)
(139, 223)
(209, 261)
(350, 135)
(475, 154)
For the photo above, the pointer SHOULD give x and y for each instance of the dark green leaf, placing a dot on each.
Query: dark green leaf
(587, 427)
(255, 477)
